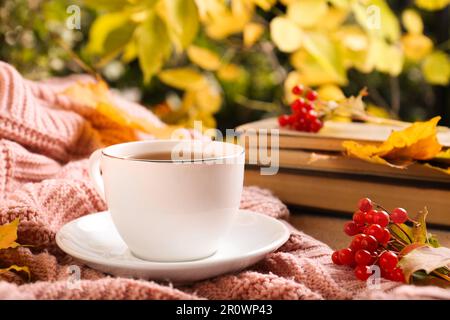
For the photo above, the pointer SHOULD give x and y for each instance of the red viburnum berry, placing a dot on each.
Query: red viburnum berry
(369, 243)
(346, 256)
(364, 257)
(399, 215)
(351, 228)
(381, 218)
(283, 120)
(335, 258)
(359, 217)
(311, 95)
(365, 204)
(356, 242)
(377, 231)
(386, 237)
(298, 89)
(362, 272)
(388, 261)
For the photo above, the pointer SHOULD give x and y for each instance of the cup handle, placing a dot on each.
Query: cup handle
(94, 172)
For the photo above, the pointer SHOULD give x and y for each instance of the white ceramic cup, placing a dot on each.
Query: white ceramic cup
(170, 210)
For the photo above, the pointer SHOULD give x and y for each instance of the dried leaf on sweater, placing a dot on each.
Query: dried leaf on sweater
(417, 142)
(17, 268)
(8, 234)
(425, 258)
(8, 237)
(109, 116)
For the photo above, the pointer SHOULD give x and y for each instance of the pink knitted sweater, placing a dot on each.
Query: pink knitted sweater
(43, 180)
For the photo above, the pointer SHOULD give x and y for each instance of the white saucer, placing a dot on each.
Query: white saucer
(93, 239)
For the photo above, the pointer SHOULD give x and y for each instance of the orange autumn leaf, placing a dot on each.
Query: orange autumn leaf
(8, 234)
(417, 142)
(115, 124)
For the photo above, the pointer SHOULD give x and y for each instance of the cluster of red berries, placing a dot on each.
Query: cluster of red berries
(369, 245)
(303, 116)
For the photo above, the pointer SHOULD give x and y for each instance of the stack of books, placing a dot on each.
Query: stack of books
(314, 173)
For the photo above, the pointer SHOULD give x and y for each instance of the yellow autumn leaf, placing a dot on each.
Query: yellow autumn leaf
(416, 142)
(412, 21)
(252, 32)
(242, 9)
(224, 26)
(436, 68)
(333, 18)
(207, 120)
(313, 74)
(444, 155)
(353, 38)
(286, 35)
(325, 57)
(388, 24)
(365, 60)
(416, 46)
(369, 153)
(193, 109)
(389, 59)
(229, 72)
(208, 98)
(182, 18)
(153, 45)
(265, 4)
(441, 161)
(222, 22)
(342, 4)
(17, 268)
(356, 48)
(210, 8)
(330, 92)
(89, 93)
(298, 58)
(8, 234)
(441, 169)
(377, 111)
(203, 57)
(307, 13)
(432, 4)
(109, 32)
(182, 78)
(130, 51)
(201, 99)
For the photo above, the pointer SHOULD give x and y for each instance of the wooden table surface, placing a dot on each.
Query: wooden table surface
(329, 228)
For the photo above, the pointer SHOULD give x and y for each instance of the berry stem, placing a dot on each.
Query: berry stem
(380, 207)
(412, 220)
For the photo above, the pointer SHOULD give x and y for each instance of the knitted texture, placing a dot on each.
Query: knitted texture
(45, 138)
